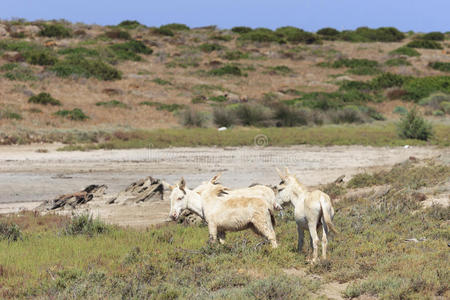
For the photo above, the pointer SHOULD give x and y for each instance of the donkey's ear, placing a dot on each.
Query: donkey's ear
(215, 178)
(182, 184)
(280, 173)
(286, 170)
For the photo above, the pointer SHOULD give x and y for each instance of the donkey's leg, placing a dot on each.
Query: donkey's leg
(315, 239)
(212, 228)
(300, 232)
(221, 236)
(324, 239)
(263, 224)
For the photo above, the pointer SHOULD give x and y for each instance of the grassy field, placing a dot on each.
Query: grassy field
(371, 135)
(55, 257)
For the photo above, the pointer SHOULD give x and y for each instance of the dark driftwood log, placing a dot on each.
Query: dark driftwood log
(142, 190)
(74, 199)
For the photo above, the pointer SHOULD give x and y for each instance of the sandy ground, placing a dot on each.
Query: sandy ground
(28, 177)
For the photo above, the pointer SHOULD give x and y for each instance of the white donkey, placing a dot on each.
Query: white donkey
(311, 209)
(230, 214)
(258, 190)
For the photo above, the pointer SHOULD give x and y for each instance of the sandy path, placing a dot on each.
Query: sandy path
(29, 176)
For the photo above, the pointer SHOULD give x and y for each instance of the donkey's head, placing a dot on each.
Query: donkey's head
(207, 185)
(287, 188)
(178, 199)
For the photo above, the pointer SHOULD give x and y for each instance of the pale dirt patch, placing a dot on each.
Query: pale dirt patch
(27, 176)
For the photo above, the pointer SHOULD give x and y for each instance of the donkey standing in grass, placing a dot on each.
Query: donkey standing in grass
(257, 190)
(311, 209)
(226, 214)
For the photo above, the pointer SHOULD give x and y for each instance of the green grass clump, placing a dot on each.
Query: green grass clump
(75, 114)
(10, 232)
(15, 71)
(130, 50)
(129, 24)
(79, 51)
(10, 114)
(163, 31)
(44, 98)
(235, 55)
(85, 224)
(75, 65)
(241, 29)
(260, 35)
(280, 70)
(365, 34)
(193, 118)
(163, 106)
(208, 47)
(394, 62)
(356, 66)
(433, 36)
(42, 57)
(328, 32)
(112, 103)
(227, 70)
(441, 66)
(400, 110)
(413, 126)
(387, 80)
(424, 44)
(224, 116)
(421, 87)
(220, 98)
(437, 101)
(296, 35)
(55, 30)
(118, 34)
(220, 37)
(405, 51)
(252, 115)
(175, 27)
(161, 81)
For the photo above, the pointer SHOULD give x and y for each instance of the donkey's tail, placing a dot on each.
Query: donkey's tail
(326, 212)
(272, 217)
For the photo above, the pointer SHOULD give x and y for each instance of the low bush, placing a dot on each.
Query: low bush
(15, 71)
(252, 114)
(280, 70)
(296, 35)
(223, 116)
(112, 103)
(79, 51)
(163, 106)
(441, 66)
(10, 232)
(413, 126)
(289, 116)
(437, 101)
(235, 55)
(42, 57)
(227, 70)
(433, 36)
(405, 51)
(356, 66)
(175, 27)
(387, 80)
(241, 29)
(220, 37)
(163, 31)
(328, 31)
(84, 67)
(395, 62)
(421, 87)
(219, 98)
(44, 98)
(424, 44)
(161, 81)
(10, 114)
(365, 34)
(262, 35)
(130, 50)
(55, 30)
(85, 225)
(193, 118)
(348, 114)
(75, 114)
(118, 34)
(400, 110)
(129, 24)
(207, 47)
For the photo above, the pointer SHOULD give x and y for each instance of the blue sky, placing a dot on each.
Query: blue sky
(311, 15)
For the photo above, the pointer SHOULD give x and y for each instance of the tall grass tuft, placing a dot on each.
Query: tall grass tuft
(85, 224)
(414, 126)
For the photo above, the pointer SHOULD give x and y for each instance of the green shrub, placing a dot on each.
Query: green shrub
(235, 55)
(79, 51)
(42, 57)
(328, 31)
(436, 101)
(223, 116)
(413, 126)
(220, 37)
(365, 34)
(296, 35)
(75, 114)
(175, 27)
(288, 116)
(129, 24)
(161, 81)
(130, 50)
(10, 232)
(241, 29)
(348, 114)
(44, 98)
(354, 63)
(85, 225)
(163, 106)
(9, 114)
(387, 80)
(163, 31)
(198, 99)
(118, 34)
(192, 118)
(433, 36)
(252, 114)
(207, 47)
(55, 30)
(405, 51)
(400, 110)
(17, 72)
(260, 35)
(220, 98)
(424, 44)
(79, 66)
(446, 106)
(421, 87)
(394, 62)
(112, 103)
(441, 66)
(227, 70)
(280, 70)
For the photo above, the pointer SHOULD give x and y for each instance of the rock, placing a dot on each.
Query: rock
(368, 192)
(147, 189)
(74, 199)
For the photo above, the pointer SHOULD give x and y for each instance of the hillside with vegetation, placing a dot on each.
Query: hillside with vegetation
(79, 83)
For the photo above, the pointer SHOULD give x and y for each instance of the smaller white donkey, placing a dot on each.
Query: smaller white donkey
(311, 209)
(224, 214)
